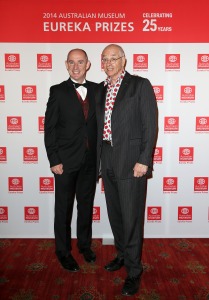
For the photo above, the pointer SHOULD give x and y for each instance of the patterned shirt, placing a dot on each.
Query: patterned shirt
(112, 90)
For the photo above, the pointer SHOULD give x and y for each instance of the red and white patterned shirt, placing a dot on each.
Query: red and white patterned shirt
(112, 90)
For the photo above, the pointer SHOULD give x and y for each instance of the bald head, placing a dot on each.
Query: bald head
(77, 50)
(77, 64)
(113, 59)
(114, 47)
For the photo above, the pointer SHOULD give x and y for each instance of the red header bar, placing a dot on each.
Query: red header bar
(132, 21)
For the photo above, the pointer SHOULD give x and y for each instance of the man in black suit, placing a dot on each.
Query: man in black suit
(70, 141)
(127, 128)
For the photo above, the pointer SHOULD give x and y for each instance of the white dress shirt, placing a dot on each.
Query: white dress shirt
(81, 89)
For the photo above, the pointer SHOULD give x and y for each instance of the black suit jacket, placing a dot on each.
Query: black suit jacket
(66, 130)
(133, 125)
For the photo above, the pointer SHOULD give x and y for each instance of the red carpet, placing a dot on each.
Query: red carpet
(173, 269)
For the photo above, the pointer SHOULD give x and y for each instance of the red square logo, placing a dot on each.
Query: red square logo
(12, 61)
(186, 154)
(188, 92)
(202, 124)
(31, 213)
(172, 61)
(15, 184)
(154, 213)
(171, 124)
(96, 213)
(140, 62)
(3, 213)
(201, 184)
(158, 155)
(203, 61)
(170, 184)
(30, 154)
(29, 92)
(41, 124)
(46, 184)
(14, 123)
(159, 92)
(3, 154)
(185, 213)
(44, 61)
(2, 93)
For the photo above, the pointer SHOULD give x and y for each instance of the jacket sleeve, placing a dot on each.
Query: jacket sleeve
(51, 120)
(148, 117)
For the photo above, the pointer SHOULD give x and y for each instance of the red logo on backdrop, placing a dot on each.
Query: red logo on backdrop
(170, 184)
(158, 155)
(172, 61)
(188, 92)
(3, 213)
(3, 154)
(186, 154)
(30, 154)
(203, 61)
(14, 123)
(202, 124)
(41, 124)
(29, 92)
(159, 92)
(102, 186)
(171, 124)
(31, 213)
(44, 62)
(154, 213)
(12, 62)
(96, 213)
(15, 184)
(2, 92)
(184, 213)
(140, 62)
(201, 184)
(46, 184)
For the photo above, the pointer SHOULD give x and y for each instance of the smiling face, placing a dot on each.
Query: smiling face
(113, 68)
(77, 64)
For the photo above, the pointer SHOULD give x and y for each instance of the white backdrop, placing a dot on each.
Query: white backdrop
(175, 208)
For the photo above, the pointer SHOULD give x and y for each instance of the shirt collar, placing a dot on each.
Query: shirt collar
(77, 81)
(119, 80)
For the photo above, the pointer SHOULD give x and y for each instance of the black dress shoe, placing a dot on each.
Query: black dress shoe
(69, 263)
(131, 285)
(115, 264)
(88, 255)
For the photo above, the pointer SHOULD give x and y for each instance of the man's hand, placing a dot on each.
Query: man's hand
(58, 169)
(140, 170)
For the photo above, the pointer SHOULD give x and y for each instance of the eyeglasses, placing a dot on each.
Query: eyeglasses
(111, 60)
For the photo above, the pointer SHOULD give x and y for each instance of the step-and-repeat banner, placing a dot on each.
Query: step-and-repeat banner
(165, 41)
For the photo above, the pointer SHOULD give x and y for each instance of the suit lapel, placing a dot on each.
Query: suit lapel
(101, 105)
(103, 97)
(122, 90)
(70, 83)
(91, 97)
(71, 90)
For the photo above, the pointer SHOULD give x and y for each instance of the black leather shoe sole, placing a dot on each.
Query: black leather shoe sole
(114, 265)
(89, 260)
(130, 293)
(88, 255)
(131, 285)
(68, 263)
